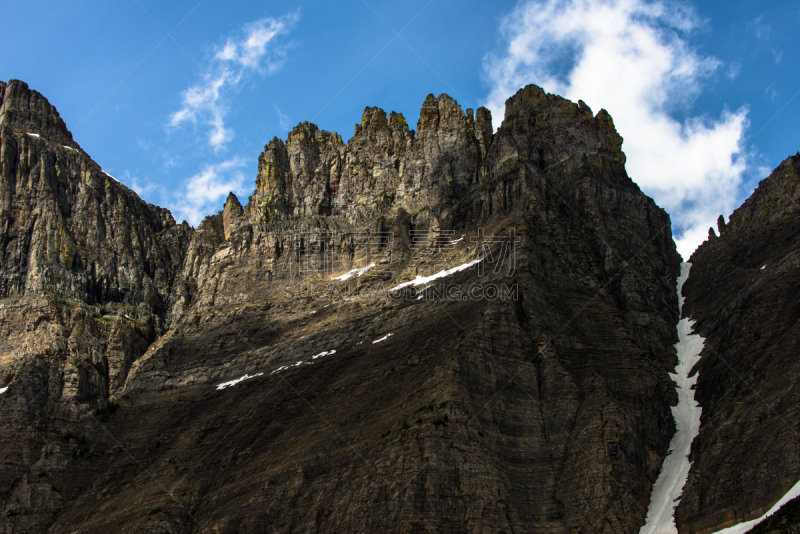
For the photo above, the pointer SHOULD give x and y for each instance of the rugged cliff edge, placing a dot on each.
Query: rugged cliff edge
(744, 291)
(528, 393)
(86, 268)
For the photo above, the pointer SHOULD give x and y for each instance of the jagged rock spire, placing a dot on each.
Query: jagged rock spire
(25, 110)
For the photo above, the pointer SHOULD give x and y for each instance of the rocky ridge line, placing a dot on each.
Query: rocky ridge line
(575, 366)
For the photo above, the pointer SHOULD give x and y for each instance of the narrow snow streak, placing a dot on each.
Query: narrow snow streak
(3, 390)
(32, 134)
(668, 488)
(419, 280)
(741, 528)
(384, 338)
(354, 272)
(238, 380)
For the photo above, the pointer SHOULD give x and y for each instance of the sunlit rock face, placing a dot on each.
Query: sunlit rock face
(526, 392)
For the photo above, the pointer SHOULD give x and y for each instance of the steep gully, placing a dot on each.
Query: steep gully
(667, 490)
(675, 470)
(743, 292)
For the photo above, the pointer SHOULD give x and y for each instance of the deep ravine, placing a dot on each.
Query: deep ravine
(675, 470)
(668, 488)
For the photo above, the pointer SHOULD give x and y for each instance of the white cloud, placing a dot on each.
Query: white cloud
(631, 57)
(144, 190)
(733, 70)
(763, 30)
(283, 120)
(205, 192)
(771, 92)
(254, 49)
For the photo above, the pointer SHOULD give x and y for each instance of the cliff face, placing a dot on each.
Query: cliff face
(86, 268)
(744, 292)
(384, 165)
(68, 227)
(527, 393)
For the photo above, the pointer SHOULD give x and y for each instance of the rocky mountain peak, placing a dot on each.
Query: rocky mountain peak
(562, 127)
(27, 111)
(231, 214)
(776, 197)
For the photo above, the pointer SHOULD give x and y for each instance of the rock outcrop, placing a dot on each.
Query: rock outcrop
(744, 293)
(86, 270)
(527, 393)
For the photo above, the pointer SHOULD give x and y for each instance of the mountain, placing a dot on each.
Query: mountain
(443, 329)
(744, 291)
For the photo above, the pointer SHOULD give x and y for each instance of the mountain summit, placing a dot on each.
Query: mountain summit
(440, 329)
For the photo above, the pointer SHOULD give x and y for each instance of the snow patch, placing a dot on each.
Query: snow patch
(68, 148)
(741, 528)
(420, 280)
(422, 293)
(3, 390)
(284, 367)
(104, 172)
(33, 134)
(668, 488)
(304, 362)
(762, 268)
(384, 338)
(354, 272)
(238, 380)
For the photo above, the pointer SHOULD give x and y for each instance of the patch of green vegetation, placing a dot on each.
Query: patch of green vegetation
(78, 362)
(52, 355)
(67, 256)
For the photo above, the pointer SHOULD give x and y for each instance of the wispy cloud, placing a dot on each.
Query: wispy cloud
(283, 120)
(762, 30)
(734, 69)
(771, 92)
(255, 48)
(204, 192)
(632, 58)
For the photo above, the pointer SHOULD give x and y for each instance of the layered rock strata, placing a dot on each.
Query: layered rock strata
(86, 269)
(744, 293)
(542, 407)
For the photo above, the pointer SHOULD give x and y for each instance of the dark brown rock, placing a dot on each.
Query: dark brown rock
(743, 291)
(546, 410)
(86, 269)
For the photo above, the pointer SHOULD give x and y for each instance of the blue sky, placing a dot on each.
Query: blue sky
(177, 99)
